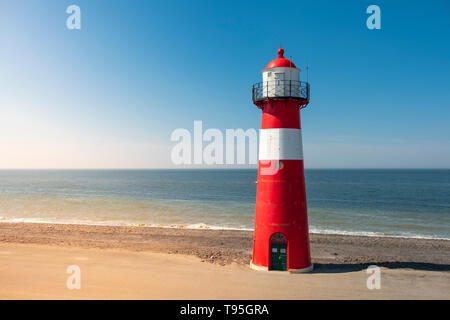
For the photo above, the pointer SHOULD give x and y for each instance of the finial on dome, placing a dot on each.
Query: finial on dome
(280, 52)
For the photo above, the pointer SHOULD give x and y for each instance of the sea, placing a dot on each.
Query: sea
(369, 202)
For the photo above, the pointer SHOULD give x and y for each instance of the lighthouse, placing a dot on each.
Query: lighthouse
(281, 237)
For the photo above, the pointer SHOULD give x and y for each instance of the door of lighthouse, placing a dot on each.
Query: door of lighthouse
(278, 252)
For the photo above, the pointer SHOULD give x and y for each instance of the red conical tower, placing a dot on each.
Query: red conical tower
(281, 237)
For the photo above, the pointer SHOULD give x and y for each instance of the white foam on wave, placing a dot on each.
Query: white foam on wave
(372, 234)
(203, 226)
(122, 223)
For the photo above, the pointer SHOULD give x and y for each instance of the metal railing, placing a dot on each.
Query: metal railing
(280, 89)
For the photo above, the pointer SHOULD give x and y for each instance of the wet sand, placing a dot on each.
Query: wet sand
(162, 263)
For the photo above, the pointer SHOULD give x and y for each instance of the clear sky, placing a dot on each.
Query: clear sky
(110, 95)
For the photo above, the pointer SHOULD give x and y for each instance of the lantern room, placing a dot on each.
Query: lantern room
(281, 79)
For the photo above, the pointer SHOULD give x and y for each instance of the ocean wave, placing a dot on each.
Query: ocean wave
(373, 234)
(204, 226)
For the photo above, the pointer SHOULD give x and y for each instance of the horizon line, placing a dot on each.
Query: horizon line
(230, 168)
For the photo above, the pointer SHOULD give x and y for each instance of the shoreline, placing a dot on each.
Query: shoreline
(162, 263)
(202, 226)
(225, 246)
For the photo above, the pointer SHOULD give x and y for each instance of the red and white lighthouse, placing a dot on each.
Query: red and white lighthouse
(281, 237)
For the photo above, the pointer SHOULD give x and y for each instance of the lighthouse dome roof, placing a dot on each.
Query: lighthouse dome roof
(281, 61)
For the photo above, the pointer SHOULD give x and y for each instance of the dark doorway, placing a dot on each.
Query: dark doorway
(278, 252)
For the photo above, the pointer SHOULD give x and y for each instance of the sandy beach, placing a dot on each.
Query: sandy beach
(162, 263)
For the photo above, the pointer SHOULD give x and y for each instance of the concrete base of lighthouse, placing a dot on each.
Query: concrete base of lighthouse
(303, 270)
(258, 268)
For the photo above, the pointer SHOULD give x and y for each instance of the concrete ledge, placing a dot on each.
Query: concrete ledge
(303, 270)
(258, 268)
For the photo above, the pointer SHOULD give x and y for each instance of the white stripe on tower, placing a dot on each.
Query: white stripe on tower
(280, 144)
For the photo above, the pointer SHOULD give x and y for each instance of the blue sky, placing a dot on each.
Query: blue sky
(109, 95)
